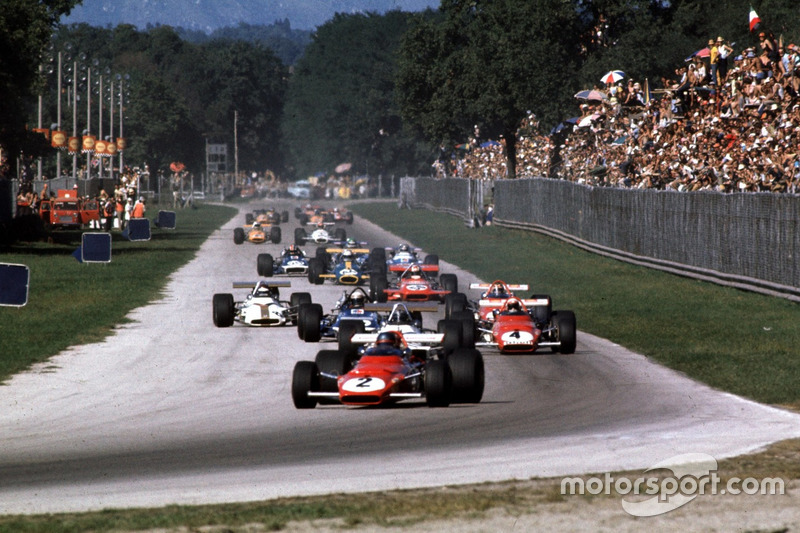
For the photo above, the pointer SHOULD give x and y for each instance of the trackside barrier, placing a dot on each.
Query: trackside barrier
(750, 241)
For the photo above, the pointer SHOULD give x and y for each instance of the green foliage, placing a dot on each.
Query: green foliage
(25, 29)
(341, 106)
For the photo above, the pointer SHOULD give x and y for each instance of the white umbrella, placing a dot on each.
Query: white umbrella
(612, 76)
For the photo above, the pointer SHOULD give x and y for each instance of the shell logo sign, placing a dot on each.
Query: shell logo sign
(88, 143)
(58, 139)
(74, 145)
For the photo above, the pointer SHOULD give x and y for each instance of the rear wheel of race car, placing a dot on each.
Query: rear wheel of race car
(296, 299)
(431, 259)
(305, 379)
(468, 375)
(541, 313)
(248, 218)
(449, 282)
(322, 254)
(377, 285)
(301, 319)
(315, 271)
(452, 334)
(454, 302)
(223, 306)
(284, 216)
(467, 321)
(303, 219)
(331, 362)
(565, 324)
(311, 318)
(438, 383)
(297, 212)
(238, 236)
(275, 234)
(339, 234)
(265, 265)
(348, 328)
(299, 236)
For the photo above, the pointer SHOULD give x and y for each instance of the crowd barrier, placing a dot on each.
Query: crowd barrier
(749, 241)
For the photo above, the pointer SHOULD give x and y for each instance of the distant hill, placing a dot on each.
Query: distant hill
(209, 15)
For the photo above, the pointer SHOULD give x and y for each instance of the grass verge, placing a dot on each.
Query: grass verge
(72, 303)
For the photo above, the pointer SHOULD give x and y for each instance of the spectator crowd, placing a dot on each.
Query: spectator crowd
(723, 122)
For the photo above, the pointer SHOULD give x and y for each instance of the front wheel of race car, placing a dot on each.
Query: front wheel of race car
(223, 306)
(331, 363)
(449, 282)
(238, 236)
(468, 375)
(565, 324)
(438, 383)
(265, 265)
(305, 379)
(453, 337)
(467, 321)
(296, 299)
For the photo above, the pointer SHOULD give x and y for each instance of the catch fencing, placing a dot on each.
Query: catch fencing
(745, 240)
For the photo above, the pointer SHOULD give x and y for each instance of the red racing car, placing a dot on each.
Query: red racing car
(413, 285)
(387, 371)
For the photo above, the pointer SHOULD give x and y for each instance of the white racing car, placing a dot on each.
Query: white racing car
(320, 235)
(262, 307)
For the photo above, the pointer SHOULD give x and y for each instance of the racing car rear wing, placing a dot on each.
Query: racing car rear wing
(531, 302)
(410, 306)
(354, 250)
(410, 338)
(252, 284)
(487, 286)
(425, 267)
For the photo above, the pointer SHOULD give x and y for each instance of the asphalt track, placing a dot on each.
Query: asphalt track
(171, 410)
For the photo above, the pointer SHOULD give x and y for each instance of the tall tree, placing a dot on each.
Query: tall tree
(25, 29)
(488, 63)
(341, 104)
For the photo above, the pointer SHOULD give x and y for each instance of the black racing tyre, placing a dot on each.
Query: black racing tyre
(223, 306)
(452, 334)
(467, 320)
(238, 236)
(297, 212)
(284, 216)
(348, 218)
(565, 324)
(377, 285)
(322, 254)
(468, 375)
(449, 282)
(275, 234)
(348, 328)
(248, 218)
(339, 234)
(315, 271)
(265, 265)
(334, 363)
(438, 383)
(303, 219)
(308, 322)
(378, 254)
(299, 236)
(431, 259)
(541, 313)
(454, 302)
(296, 299)
(305, 379)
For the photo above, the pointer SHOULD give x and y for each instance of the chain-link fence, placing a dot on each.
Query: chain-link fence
(748, 240)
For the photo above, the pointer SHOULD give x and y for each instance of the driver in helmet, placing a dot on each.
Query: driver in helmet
(387, 343)
(357, 300)
(404, 248)
(264, 290)
(348, 255)
(414, 272)
(293, 251)
(513, 307)
(496, 291)
(351, 243)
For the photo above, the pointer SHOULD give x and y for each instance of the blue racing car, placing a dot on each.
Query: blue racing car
(292, 261)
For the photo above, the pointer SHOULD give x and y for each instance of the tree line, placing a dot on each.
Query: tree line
(387, 93)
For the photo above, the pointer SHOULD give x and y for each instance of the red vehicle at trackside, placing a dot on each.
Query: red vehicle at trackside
(68, 210)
